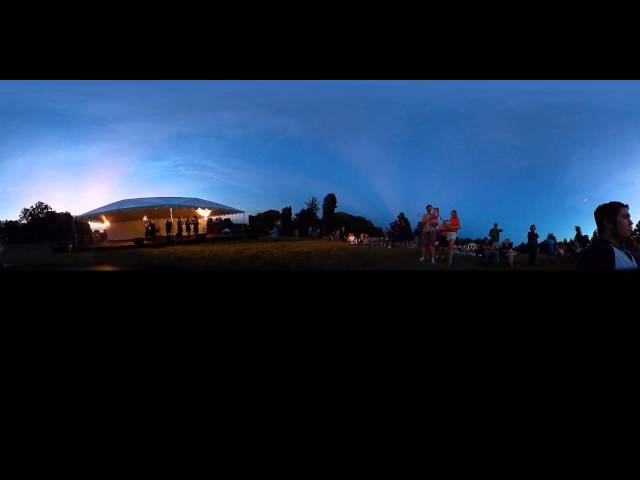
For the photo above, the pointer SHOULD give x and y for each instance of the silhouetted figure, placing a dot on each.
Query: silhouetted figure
(168, 228)
(494, 235)
(453, 227)
(179, 234)
(532, 245)
(187, 226)
(577, 240)
(551, 247)
(152, 228)
(490, 252)
(196, 226)
(508, 253)
(581, 241)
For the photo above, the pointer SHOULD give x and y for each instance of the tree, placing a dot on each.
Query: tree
(356, 225)
(313, 205)
(11, 231)
(418, 230)
(329, 205)
(263, 223)
(286, 222)
(308, 217)
(219, 224)
(35, 212)
(83, 234)
(40, 223)
(636, 232)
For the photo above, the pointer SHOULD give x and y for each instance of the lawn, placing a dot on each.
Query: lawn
(293, 254)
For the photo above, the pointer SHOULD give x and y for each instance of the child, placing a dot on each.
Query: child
(509, 253)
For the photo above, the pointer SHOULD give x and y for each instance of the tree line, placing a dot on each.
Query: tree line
(41, 223)
(309, 219)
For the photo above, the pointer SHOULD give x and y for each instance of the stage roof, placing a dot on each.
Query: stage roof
(136, 208)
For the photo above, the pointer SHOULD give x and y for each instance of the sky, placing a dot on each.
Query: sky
(512, 152)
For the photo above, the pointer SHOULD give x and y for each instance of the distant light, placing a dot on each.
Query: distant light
(100, 225)
(585, 200)
(204, 213)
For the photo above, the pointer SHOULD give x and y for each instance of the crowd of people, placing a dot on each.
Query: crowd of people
(357, 239)
(184, 227)
(612, 248)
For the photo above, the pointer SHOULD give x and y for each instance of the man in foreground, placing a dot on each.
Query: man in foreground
(610, 250)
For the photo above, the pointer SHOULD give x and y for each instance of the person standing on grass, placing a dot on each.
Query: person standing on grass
(187, 226)
(453, 227)
(196, 226)
(532, 245)
(509, 253)
(494, 235)
(275, 233)
(168, 228)
(442, 237)
(562, 251)
(578, 240)
(609, 251)
(429, 229)
(152, 228)
(179, 233)
(551, 247)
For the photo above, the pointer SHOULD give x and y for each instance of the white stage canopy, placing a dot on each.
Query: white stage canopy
(156, 207)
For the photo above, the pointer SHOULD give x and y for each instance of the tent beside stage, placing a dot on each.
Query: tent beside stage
(125, 218)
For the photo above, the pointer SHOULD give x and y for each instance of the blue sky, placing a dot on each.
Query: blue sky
(515, 152)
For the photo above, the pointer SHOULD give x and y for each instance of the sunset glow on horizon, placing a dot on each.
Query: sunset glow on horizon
(512, 152)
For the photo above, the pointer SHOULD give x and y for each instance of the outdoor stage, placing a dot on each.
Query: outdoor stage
(128, 219)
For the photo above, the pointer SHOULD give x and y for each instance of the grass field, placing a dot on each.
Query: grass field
(285, 254)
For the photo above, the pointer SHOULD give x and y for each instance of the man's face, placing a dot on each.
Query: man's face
(623, 223)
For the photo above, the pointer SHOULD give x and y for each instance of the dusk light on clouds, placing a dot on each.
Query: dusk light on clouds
(513, 152)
